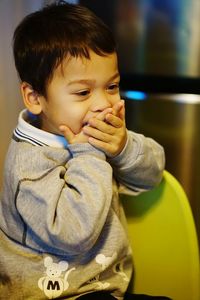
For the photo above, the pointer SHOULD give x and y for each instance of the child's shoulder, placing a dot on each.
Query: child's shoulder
(26, 159)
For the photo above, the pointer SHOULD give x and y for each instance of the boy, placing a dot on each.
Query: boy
(62, 226)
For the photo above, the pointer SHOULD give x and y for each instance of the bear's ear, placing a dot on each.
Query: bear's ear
(48, 261)
(63, 265)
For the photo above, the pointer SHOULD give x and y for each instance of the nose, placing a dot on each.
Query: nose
(101, 101)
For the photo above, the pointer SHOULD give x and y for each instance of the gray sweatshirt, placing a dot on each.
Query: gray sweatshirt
(62, 226)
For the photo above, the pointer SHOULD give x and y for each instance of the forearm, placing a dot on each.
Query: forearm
(141, 163)
(69, 205)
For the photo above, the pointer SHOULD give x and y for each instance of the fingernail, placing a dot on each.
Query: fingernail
(62, 128)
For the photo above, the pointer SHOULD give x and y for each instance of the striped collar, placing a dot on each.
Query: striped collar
(31, 134)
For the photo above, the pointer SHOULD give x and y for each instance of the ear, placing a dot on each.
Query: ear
(63, 265)
(31, 98)
(48, 261)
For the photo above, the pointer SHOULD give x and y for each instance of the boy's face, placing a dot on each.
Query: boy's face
(80, 89)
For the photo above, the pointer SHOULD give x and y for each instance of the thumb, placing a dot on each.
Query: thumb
(68, 134)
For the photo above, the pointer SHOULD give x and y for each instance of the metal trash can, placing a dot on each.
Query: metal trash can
(174, 121)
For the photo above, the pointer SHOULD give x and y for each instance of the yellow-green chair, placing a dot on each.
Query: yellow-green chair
(164, 242)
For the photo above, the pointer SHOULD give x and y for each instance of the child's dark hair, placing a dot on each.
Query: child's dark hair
(44, 38)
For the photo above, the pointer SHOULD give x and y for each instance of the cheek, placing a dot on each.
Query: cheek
(74, 119)
(115, 98)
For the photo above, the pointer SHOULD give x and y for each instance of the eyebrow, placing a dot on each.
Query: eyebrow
(116, 75)
(89, 81)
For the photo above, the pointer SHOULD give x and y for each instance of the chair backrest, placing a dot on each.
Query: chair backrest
(164, 242)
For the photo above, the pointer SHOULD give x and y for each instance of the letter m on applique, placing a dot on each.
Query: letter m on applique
(53, 285)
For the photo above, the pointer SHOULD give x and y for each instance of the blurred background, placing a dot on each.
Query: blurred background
(159, 60)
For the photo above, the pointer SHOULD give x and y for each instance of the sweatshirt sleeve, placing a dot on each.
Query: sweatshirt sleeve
(140, 165)
(68, 205)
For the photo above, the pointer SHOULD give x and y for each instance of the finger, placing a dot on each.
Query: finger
(117, 107)
(101, 115)
(96, 134)
(101, 126)
(66, 131)
(122, 112)
(114, 121)
(105, 147)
